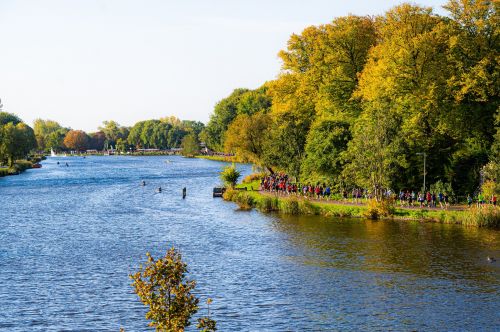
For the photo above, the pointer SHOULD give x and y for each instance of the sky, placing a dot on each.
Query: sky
(80, 62)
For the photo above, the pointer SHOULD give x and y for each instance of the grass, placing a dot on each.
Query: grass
(231, 159)
(250, 186)
(18, 167)
(484, 217)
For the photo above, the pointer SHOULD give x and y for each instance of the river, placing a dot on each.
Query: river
(70, 237)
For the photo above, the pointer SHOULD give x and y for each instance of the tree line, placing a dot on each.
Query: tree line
(17, 139)
(360, 100)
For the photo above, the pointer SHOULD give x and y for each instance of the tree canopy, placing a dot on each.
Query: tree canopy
(359, 100)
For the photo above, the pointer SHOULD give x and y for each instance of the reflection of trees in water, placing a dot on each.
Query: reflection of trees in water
(431, 250)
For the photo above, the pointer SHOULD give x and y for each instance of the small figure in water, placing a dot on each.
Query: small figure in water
(58, 163)
(67, 165)
(183, 192)
(143, 183)
(159, 189)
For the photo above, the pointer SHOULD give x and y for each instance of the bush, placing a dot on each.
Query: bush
(489, 189)
(376, 209)
(230, 175)
(230, 195)
(22, 165)
(4, 172)
(244, 200)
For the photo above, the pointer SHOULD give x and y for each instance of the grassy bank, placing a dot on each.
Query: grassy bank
(231, 159)
(18, 167)
(485, 217)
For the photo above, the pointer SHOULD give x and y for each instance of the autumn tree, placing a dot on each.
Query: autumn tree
(76, 140)
(162, 285)
(246, 136)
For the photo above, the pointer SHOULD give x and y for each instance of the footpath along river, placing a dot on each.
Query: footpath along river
(70, 236)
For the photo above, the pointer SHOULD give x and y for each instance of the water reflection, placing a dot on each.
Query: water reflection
(423, 250)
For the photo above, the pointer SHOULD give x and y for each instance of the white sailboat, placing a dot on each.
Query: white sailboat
(52, 153)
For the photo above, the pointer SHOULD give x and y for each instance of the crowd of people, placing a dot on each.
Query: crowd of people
(282, 185)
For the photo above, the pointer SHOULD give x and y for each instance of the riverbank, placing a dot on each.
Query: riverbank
(229, 159)
(487, 216)
(20, 166)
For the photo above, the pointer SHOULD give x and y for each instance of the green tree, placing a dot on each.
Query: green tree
(55, 139)
(112, 130)
(190, 145)
(230, 175)
(162, 285)
(326, 142)
(121, 145)
(134, 136)
(224, 113)
(44, 130)
(254, 101)
(374, 153)
(17, 140)
(8, 117)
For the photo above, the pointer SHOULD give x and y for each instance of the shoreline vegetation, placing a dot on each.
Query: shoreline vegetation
(248, 196)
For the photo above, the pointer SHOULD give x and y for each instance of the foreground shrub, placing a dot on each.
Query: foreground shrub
(162, 285)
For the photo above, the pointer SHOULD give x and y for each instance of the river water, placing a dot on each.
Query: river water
(70, 236)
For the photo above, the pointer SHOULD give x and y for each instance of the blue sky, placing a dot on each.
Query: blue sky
(81, 62)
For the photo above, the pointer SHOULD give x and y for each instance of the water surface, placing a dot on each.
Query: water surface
(70, 236)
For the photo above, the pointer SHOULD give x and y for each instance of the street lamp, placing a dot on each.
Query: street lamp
(425, 155)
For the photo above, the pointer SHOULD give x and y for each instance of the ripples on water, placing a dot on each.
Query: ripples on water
(70, 236)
